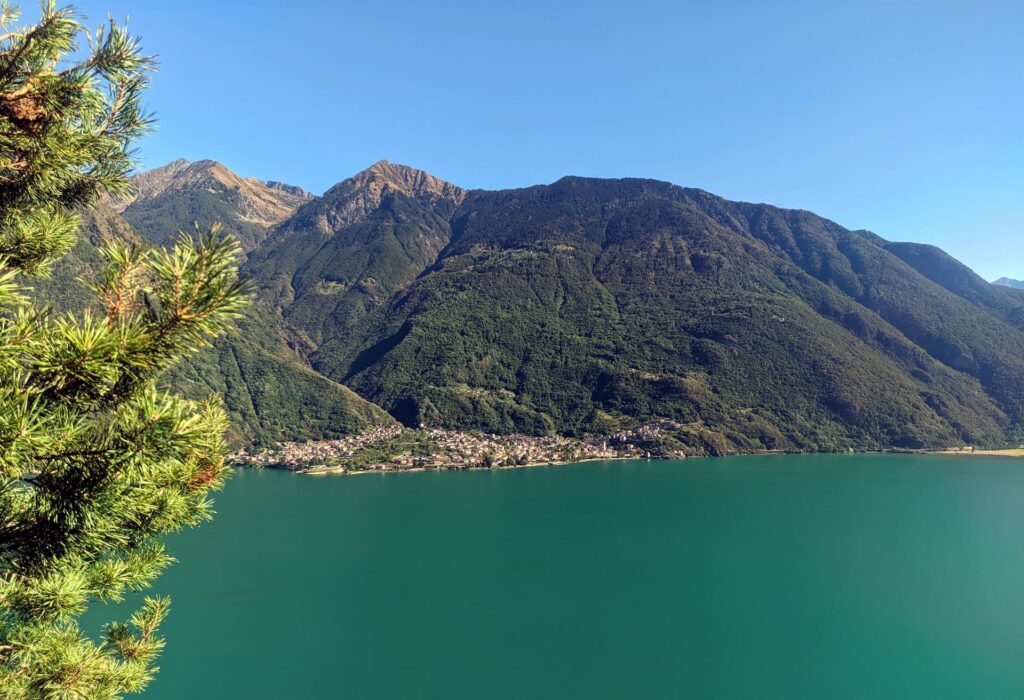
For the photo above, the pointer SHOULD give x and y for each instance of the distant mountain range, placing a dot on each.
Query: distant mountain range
(586, 305)
(1007, 282)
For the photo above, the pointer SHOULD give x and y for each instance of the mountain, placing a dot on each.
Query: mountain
(586, 305)
(943, 269)
(1007, 282)
(179, 194)
(270, 393)
(343, 255)
(591, 305)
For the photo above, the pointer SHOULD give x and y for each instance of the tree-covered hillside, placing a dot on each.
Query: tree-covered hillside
(590, 304)
(586, 306)
(270, 394)
(340, 258)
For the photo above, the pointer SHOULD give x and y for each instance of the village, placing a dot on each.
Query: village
(396, 448)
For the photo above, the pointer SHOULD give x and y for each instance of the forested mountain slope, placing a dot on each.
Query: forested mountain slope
(339, 258)
(591, 304)
(269, 392)
(582, 306)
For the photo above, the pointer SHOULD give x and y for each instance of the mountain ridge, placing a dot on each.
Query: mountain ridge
(174, 197)
(354, 320)
(590, 305)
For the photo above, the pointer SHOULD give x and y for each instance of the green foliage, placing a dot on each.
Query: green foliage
(66, 287)
(65, 131)
(96, 461)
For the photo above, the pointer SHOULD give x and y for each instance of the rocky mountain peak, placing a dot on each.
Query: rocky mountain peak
(254, 200)
(408, 180)
(352, 199)
(150, 182)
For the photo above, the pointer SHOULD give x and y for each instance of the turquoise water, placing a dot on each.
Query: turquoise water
(750, 577)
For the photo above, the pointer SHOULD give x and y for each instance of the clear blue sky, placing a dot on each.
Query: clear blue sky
(903, 117)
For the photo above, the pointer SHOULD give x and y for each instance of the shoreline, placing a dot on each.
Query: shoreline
(342, 471)
(403, 449)
(1010, 453)
(399, 449)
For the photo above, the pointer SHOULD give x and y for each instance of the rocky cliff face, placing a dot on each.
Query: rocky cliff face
(351, 200)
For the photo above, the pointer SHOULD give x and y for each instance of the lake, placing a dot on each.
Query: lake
(811, 576)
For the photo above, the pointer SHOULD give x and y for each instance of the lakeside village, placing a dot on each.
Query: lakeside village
(396, 448)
